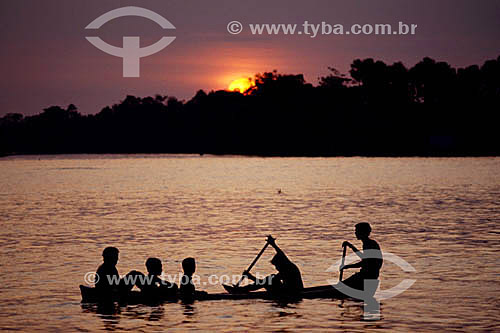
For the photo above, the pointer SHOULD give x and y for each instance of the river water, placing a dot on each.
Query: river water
(440, 215)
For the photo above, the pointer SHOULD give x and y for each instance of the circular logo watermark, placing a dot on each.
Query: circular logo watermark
(91, 278)
(131, 52)
(379, 294)
(234, 27)
(371, 295)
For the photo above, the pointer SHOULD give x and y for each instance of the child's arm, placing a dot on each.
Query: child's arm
(272, 242)
(356, 265)
(249, 275)
(358, 252)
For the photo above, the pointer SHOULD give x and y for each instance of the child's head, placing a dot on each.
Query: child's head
(154, 266)
(363, 230)
(110, 255)
(189, 266)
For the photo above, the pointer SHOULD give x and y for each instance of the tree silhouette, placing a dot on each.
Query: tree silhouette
(430, 109)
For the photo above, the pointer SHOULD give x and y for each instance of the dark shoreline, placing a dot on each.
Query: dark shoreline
(380, 110)
(3, 155)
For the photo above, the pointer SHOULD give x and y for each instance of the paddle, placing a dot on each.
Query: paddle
(253, 263)
(342, 263)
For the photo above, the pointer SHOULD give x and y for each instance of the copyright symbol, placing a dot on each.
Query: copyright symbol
(91, 278)
(234, 27)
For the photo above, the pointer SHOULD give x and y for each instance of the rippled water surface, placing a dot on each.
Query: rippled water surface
(440, 215)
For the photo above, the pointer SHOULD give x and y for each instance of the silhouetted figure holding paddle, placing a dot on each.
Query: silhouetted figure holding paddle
(287, 282)
(371, 258)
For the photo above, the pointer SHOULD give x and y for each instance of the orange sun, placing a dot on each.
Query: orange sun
(241, 85)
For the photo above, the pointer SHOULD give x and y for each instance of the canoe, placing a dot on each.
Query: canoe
(89, 295)
(308, 293)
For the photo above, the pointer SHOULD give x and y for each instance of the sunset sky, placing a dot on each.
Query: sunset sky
(46, 60)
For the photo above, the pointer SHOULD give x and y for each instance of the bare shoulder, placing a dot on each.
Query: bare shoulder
(371, 244)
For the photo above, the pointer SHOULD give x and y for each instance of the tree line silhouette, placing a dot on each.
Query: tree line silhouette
(430, 109)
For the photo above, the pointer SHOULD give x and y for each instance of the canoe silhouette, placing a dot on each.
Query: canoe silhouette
(90, 295)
